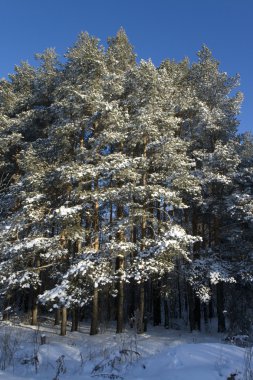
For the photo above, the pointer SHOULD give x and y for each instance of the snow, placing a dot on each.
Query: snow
(200, 361)
(67, 211)
(158, 354)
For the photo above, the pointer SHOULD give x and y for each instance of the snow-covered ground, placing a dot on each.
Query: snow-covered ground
(158, 354)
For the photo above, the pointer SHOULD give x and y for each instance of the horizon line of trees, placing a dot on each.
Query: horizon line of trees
(125, 190)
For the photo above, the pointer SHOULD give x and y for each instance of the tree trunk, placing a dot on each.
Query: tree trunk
(197, 313)
(194, 310)
(74, 314)
(34, 296)
(34, 320)
(120, 296)
(57, 317)
(220, 308)
(7, 308)
(179, 292)
(140, 317)
(166, 314)
(206, 315)
(64, 321)
(94, 316)
(156, 296)
(96, 226)
(130, 294)
(210, 309)
(190, 306)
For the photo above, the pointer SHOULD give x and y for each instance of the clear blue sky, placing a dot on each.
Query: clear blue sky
(158, 29)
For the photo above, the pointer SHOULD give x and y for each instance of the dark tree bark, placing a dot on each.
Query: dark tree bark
(156, 296)
(34, 319)
(205, 307)
(34, 297)
(193, 301)
(197, 313)
(120, 296)
(57, 317)
(94, 315)
(75, 319)
(96, 226)
(194, 310)
(166, 313)
(220, 307)
(6, 309)
(179, 292)
(190, 306)
(131, 301)
(140, 317)
(64, 321)
(140, 322)
(132, 294)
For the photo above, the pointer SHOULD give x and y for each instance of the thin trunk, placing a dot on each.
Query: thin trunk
(6, 309)
(132, 288)
(34, 320)
(131, 299)
(34, 296)
(140, 324)
(63, 321)
(156, 284)
(190, 306)
(140, 317)
(82, 137)
(179, 295)
(96, 226)
(216, 230)
(194, 307)
(119, 267)
(220, 286)
(210, 309)
(88, 230)
(206, 315)
(194, 310)
(94, 317)
(166, 313)
(120, 213)
(220, 308)
(74, 314)
(57, 317)
(197, 314)
(120, 296)
(156, 297)
(195, 232)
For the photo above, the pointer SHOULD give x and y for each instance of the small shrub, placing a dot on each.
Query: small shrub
(111, 367)
(60, 367)
(8, 347)
(248, 371)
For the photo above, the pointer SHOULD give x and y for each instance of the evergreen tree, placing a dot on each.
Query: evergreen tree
(123, 182)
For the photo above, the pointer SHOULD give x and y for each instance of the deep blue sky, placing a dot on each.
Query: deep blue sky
(158, 29)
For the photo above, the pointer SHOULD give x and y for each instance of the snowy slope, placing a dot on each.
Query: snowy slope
(208, 361)
(159, 354)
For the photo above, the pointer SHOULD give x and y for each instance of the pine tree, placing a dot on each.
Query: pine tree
(123, 182)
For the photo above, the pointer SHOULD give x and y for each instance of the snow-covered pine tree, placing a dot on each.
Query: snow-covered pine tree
(209, 123)
(110, 172)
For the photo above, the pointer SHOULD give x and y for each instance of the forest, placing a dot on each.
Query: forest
(126, 191)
